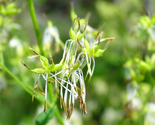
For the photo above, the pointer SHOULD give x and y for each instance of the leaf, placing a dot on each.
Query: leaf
(43, 118)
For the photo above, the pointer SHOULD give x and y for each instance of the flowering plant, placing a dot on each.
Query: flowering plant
(79, 51)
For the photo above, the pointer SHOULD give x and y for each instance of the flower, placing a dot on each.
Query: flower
(79, 51)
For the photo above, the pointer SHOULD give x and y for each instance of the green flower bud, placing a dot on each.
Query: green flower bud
(50, 67)
(53, 68)
(72, 34)
(145, 21)
(99, 53)
(144, 66)
(38, 70)
(94, 49)
(80, 36)
(44, 61)
(133, 74)
(49, 23)
(86, 44)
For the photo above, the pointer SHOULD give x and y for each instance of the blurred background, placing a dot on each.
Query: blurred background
(106, 93)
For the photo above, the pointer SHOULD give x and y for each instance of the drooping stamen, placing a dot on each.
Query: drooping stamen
(52, 79)
(108, 43)
(97, 35)
(74, 21)
(79, 43)
(86, 25)
(78, 23)
(33, 51)
(88, 16)
(101, 27)
(45, 107)
(41, 91)
(50, 56)
(25, 65)
(34, 90)
(33, 56)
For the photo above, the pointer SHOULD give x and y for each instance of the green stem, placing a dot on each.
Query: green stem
(1, 54)
(35, 24)
(148, 96)
(37, 96)
(50, 91)
(14, 77)
(58, 116)
(53, 101)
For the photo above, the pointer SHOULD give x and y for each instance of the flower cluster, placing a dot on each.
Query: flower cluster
(79, 52)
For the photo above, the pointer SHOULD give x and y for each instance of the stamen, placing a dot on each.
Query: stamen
(33, 51)
(34, 90)
(74, 21)
(78, 23)
(108, 43)
(86, 25)
(33, 56)
(41, 91)
(88, 16)
(45, 107)
(25, 65)
(51, 59)
(79, 43)
(97, 35)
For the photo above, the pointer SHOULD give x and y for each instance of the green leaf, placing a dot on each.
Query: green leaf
(38, 70)
(43, 118)
(44, 61)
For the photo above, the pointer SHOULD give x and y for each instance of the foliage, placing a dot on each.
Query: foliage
(121, 89)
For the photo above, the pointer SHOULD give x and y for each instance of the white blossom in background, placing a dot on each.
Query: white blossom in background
(149, 118)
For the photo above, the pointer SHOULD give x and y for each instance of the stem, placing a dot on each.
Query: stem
(53, 101)
(1, 54)
(50, 91)
(35, 25)
(148, 96)
(58, 116)
(37, 96)
(14, 77)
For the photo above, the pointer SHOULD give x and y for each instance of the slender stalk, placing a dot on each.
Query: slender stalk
(148, 96)
(53, 101)
(50, 91)
(37, 96)
(1, 54)
(58, 116)
(35, 25)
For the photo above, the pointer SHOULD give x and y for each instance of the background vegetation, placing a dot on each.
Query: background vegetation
(121, 91)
